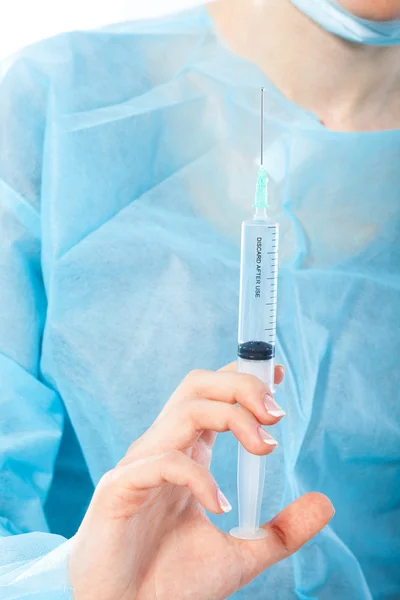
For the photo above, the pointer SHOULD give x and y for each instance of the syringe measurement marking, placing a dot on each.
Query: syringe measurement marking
(273, 273)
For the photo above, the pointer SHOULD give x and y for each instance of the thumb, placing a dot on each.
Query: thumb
(286, 533)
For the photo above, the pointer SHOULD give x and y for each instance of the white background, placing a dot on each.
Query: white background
(23, 22)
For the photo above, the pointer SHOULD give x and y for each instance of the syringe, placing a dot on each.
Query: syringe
(257, 331)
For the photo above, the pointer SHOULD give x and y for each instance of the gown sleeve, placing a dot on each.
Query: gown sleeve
(33, 562)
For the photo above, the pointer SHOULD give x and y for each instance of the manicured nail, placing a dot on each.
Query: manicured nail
(273, 407)
(268, 439)
(224, 502)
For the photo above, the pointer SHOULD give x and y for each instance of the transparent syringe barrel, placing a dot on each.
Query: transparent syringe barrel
(256, 350)
(258, 289)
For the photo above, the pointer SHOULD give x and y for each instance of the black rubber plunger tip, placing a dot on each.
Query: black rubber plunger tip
(256, 351)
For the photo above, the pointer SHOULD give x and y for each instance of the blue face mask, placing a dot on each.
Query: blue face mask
(332, 17)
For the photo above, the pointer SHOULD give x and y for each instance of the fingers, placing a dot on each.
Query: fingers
(247, 390)
(278, 376)
(184, 424)
(122, 490)
(299, 522)
(287, 532)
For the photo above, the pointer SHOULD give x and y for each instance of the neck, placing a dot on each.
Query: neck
(350, 87)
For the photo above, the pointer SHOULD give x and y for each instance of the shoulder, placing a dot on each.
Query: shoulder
(82, 73)
(90, 69)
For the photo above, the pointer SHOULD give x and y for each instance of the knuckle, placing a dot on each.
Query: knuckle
(232, 415)
(107, 480)
(252, 384)
(186, 413)
(281, 536)
(191, 412)
(126, 460)
(193, 375)
(202, 471)
(194, 378)
(182, 419)
(172, 458)
(198, 475)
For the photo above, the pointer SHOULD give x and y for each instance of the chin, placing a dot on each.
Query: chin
(373, 10)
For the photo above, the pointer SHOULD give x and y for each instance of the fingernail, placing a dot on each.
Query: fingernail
(283, 375)
(268, 439)
(332, 508)
(273, 407)
(224, 502)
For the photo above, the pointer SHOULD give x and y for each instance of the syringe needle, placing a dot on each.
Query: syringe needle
(262, 126)
(261, 200)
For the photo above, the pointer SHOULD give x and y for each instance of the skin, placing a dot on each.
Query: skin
(350, 87)
(146, 535)
(374, 10)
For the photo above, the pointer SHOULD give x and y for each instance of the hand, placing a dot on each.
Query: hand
(146, 535)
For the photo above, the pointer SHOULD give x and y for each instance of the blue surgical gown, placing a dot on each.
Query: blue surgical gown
(127, 162)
